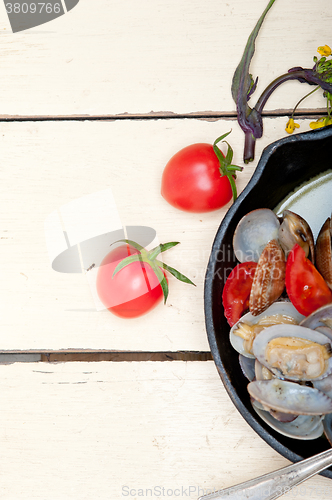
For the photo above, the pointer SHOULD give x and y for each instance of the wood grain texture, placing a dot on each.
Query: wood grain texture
(47, 165)
(165, 55)
(108, 430)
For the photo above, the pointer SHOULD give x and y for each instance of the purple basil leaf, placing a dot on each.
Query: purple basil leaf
(242, 84)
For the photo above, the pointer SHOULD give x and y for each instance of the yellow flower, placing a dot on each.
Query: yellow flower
(291, 126)
(321, 122)
(316, 124)
(324, 50)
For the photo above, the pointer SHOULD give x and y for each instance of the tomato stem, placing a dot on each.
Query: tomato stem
(156, 265)
(226, 168)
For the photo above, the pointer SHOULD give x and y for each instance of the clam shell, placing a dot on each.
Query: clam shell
(256, 404)
(283, 417)
(247, 366)
(320, 317)
(253, 232)
(327, 424)
(283, 307)
(276, 416)
(261, 341)
(294, 229)
(325, 330)
(269, 279)
(324, 385)
(290, 397)
(305, 427)
(261, 372)
(324, 252)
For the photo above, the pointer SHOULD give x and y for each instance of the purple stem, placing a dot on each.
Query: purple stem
(293, 75)
(250, 140)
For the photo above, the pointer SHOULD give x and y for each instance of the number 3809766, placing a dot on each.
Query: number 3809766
(33, 8)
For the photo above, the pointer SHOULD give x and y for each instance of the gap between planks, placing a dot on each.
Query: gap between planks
(96, 356)
(157, 115)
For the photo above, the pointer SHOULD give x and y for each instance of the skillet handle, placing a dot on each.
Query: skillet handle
(275, 484)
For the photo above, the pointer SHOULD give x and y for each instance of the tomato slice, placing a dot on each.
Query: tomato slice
(235, 296)
(305, 287)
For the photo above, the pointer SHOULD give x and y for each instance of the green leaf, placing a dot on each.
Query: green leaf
(229, 154)
(233, 186)
(221, 138)
(125, 262)
(162, 279)
(131, 243)
(225, 163)
(231, 168)
(221, 159)
(175, 273)
(161, 248)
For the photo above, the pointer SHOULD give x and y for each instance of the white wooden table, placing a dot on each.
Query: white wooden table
(98, 99)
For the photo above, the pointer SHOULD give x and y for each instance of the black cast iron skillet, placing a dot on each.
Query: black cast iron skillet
(283, 166)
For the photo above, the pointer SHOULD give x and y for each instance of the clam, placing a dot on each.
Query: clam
(324, 252)
(324, 385)
(327, 423)
(305, 427)
(294, 352)
(290, 397)
(269, 279)
(253, 232)
(261, 372)
(294, 229)
(243, 333)
(247, 366)
(320, 320)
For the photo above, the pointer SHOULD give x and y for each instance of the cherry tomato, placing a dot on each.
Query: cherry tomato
(133, 291)
(192, 180)
(305, 287)
(236, 291)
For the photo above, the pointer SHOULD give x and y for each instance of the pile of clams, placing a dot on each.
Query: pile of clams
(287, 357)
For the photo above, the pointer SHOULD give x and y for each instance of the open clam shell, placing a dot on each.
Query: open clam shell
(290, 397)
(253, 232)
(294, 362)
(322, 317)
(294, 229)
(304, 427)
(277, 310)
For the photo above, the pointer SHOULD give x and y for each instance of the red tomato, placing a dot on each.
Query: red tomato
(133, 291)
(235, 296)
(192, 181)
(305, 287)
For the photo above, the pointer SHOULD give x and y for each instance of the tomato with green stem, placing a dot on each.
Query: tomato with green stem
(131, 281)
(199, 178)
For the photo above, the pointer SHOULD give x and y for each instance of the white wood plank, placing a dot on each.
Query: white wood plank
(167, 55)
(47, 165)
(109, 430)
